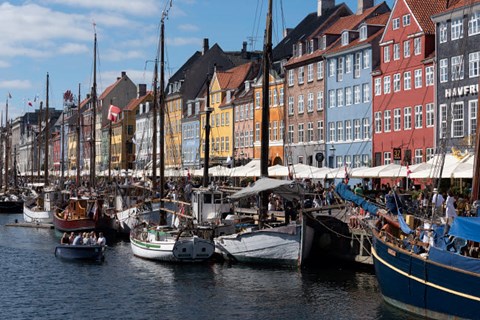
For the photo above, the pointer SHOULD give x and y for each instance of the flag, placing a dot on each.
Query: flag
(408, 171)
(30, 104)
(113, 113)
(347, 178)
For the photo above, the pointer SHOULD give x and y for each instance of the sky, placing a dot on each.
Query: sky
(56, 37)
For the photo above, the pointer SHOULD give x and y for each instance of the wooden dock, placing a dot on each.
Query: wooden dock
(31, 225)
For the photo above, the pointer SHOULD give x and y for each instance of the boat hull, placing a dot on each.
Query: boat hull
(37, 216)
(192, 249)
(284, 246)
(93, 253)
(418, 285)
(11, 207)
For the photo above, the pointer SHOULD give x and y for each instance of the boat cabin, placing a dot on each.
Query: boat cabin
(209, 204)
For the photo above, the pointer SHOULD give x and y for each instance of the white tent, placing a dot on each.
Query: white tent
(278, 171)
(452, 167)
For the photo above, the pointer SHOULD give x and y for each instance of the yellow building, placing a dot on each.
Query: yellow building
(223, 87)
(276, 121)
(173, 132)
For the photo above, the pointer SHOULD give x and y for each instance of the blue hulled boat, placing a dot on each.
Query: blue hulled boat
(94, 253)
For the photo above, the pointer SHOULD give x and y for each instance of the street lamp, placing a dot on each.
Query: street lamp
(331, 157)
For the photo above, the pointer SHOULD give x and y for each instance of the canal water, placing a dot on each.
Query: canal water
(36, 285)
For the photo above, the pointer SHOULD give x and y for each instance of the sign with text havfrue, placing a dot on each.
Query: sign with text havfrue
(397, 154)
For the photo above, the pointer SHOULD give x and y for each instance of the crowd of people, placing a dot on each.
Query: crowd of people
(83, 238)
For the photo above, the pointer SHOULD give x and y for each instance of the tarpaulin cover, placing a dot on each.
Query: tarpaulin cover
(346, 194)
(467, 228)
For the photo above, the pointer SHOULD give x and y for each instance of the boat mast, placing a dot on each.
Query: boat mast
(476, 166)
(46, 136)
(39, 140)
(110, 147)
(208, 111)
(154, 138)
(7, 147)
(94, 120)
(267, 57)
(163, 218)
(78, 137)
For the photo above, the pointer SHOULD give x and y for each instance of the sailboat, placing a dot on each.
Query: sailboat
(86, 212)
(164, 242)
(286, 245)
(40, 209)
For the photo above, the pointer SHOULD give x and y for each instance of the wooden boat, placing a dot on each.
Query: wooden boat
(84, 214)
(94, 253)
(41, 208)
(162, 243)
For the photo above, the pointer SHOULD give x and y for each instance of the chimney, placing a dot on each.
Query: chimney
(324, 5)
(363, 5)
(205, 45)
(142, 90)
(244, 46)
(286, 32)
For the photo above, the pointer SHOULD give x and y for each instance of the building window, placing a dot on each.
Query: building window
(396, 51)
(345, 38)
(458, 120)
(418, 78)
(443, 70)
(257, 131)
(366, 128)
(319, 100)
(417, 46)
(290, 133)
(386, 54)
(406, 20)
(396, 23)
(363, 33)
(300, 75)
(275, 97)
(386, 84)
(378, 122)
(257, 100)
(300, 133)
(366, 92)
(430, 154)
(310, 72)
(406, 48)
(378, 86)
(418, 156)
(310, 102)
(320, 136)
(443, 121)
(366, 59)
(407, 80)
(319, 70)
(348, 130)
(291, 104)
(331, 130)
(396, 82)
(340, 69)
(387, 157)
(290, 77)
(310, 132)
(443, 31)
(407, 118)
(357, 64)
(397, 113)
(418, 117)
(331, 98)
(275, 130)
(474, 24)
(473, 64)
(457, 29)
(356, 95)
(339, 130)
(282, 96)
(472, 128)
(457, 68)
(356, 129)
(348, 96)
(387, 121)
(339, 97)
(331, 67)
(301, 106)
(429, 80)
(430, 115)
(348, 63)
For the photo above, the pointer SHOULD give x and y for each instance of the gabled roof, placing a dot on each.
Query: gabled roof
(422, 10)
(112, 86)
(284, 49)
(453, 5)
(135, 102)
(233, 78)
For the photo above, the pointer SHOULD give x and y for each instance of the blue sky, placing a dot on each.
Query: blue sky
(56, 36)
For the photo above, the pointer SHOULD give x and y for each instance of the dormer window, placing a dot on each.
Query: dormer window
(363, 33)
(323, 44)
(247, 86)
(345, 38)
(229, 96)
(300, 49)
(294, 50)
(147, 107)
(189, 110)
(311, 47)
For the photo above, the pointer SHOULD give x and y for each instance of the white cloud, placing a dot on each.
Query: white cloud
(182, 41)
(188, 27)
(4, 64)
(119, 55)
(137, 76)
(73, 48)
(140, 8)
(15, 84)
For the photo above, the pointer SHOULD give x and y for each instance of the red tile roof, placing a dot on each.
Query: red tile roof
(352, 21)
(233, 78)
(134, 103)
(422, 10)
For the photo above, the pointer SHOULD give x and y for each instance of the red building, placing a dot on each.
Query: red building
(403, 85)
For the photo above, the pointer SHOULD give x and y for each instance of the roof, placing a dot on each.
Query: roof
(233, 78)
(135, 102)
(453, 5)
(422, 10)
(284, 49)
(351, 22)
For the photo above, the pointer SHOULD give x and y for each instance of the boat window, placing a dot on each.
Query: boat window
(207, 198)
(217, 198)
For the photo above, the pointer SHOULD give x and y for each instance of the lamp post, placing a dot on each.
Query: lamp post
(331, 157)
